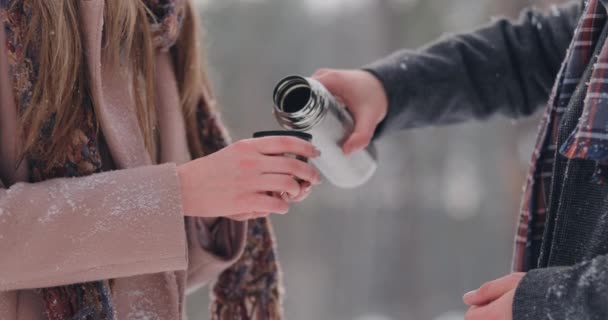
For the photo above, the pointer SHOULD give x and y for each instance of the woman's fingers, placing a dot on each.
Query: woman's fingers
(293, 167)
(269, 203)
(262, 202)
(260, 215)
(306, 188)
(249, 216)
(242, 217)
(280, 183)
(280, 145)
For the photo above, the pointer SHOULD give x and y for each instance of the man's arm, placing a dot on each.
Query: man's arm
(506, 68)
(577, 292)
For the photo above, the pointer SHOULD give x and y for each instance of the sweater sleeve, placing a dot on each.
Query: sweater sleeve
(108, 225)
(504, 68)
(212, 248)
(560, 293)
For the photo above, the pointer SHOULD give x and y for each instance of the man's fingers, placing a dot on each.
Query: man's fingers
(501, 309)
(477, 313)
(336, 83)
(357, 141)
(321, 72)
(366, 121)
(363, 96)
(492, 290)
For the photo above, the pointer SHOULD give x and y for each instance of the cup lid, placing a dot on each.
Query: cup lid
(296, 134)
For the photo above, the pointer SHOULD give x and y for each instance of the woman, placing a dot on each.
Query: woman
(105, 215)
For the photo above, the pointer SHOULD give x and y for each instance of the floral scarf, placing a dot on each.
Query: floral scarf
(250, 289)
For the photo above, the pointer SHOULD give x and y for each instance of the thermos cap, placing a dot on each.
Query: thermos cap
(274, 133)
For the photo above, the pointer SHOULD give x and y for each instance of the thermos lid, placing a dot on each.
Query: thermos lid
(296, 134)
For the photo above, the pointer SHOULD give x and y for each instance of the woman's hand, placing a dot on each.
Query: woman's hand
(494, 299)
(238, 181)
(365, 98)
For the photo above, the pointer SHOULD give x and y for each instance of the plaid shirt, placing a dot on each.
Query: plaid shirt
(588, 141)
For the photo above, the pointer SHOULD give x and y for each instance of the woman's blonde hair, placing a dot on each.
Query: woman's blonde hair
(62, 87)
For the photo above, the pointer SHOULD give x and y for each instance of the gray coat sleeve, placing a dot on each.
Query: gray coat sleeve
(506, 68)
(560, 293)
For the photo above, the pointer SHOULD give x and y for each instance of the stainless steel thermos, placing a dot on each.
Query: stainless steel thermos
(304, 104)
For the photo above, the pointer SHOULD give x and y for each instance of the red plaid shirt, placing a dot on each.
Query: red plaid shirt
(588, 141)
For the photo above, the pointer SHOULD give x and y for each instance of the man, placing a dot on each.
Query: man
(561, 252)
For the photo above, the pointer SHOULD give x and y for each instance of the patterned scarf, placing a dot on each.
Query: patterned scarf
(250, 289)
(589, 140)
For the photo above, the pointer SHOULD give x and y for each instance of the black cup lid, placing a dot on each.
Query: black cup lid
(297, 134)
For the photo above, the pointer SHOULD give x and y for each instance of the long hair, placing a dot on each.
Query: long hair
(62, 83)
(61, 97)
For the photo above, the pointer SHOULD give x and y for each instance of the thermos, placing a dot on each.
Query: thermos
(304, 104)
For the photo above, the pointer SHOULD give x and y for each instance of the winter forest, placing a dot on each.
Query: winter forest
(439, 216)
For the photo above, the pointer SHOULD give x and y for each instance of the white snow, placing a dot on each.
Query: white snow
(50, 214)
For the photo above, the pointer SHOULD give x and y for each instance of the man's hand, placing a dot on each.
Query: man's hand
(363, 95)
(494, 299)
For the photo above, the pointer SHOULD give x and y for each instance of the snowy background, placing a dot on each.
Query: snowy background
(438, 218)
